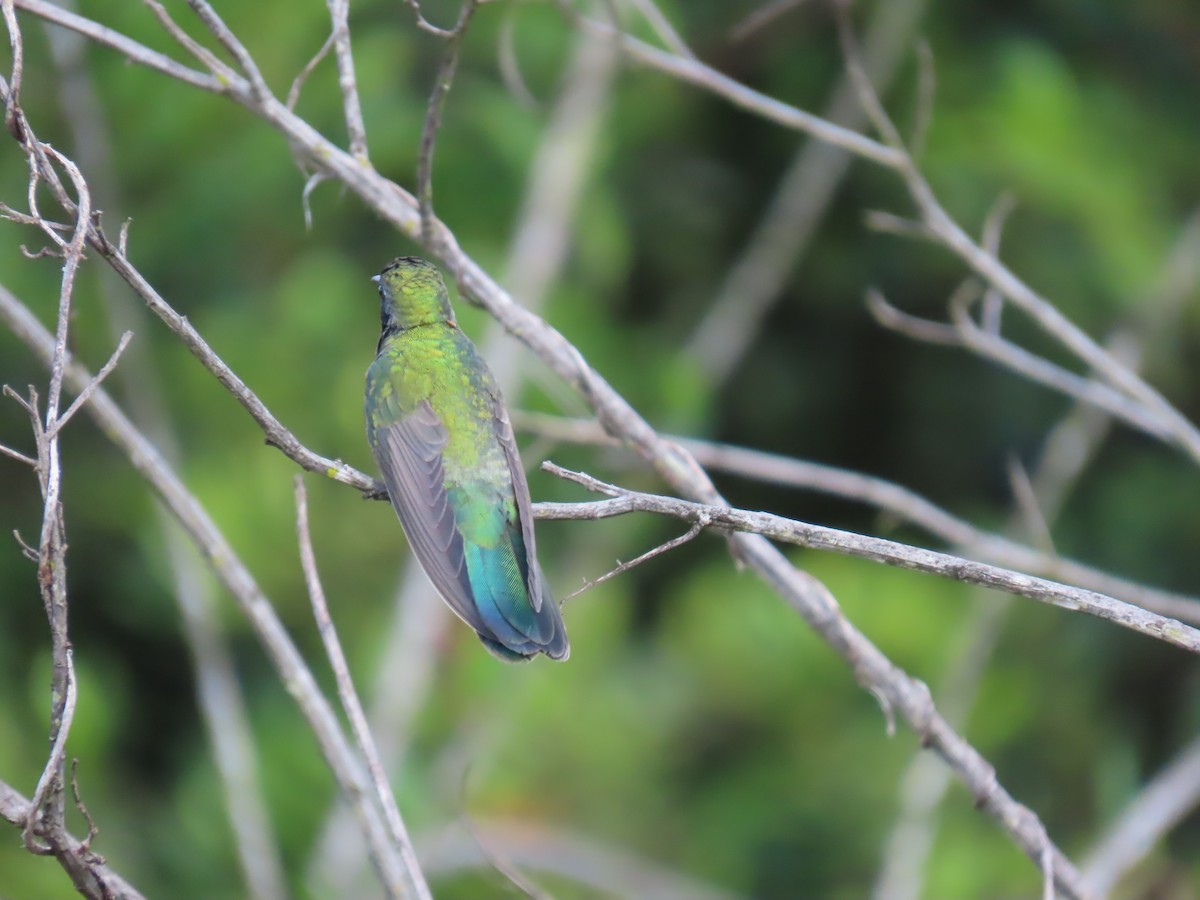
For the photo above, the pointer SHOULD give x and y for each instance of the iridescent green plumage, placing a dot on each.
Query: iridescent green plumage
(441, 436)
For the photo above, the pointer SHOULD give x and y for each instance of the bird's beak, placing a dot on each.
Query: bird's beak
(375, 278)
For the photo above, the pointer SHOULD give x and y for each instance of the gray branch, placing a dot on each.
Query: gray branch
(85, 866)
(894, 500)
(891, 553)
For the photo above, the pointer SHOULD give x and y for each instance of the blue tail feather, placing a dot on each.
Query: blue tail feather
(504, 604)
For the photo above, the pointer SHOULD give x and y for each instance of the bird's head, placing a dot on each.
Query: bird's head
(412, 292)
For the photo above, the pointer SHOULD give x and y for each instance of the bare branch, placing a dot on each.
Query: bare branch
(913, 326)
(623, 567)
(219, 69)
(1028, 507)
(415, 885)
(12, 110)
(216, 25)
(47, 813)
(276, 434)
(701, 75)
(662, 27)
(53, 770)
(819, 537)
(1066, 452)
(93, 828)
(926, 89)
(92, 877)
(762, 17)
(293, 95)
(18, 456)
(127, 47)
(890, 223)
(1163, 803)
(356, 130)
(424, 24)
(892, 499)
(509, 65)
(92, 385)
(433, 116)
(585, 860)
(993, 228)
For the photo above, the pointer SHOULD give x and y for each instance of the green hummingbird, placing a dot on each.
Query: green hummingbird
(441, 436)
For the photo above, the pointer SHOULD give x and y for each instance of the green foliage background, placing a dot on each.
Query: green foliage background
(698, 722)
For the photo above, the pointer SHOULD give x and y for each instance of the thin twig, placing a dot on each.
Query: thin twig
(915, 327)
(27, 551)
(12, 109)
(18, 456)
(53, 770)
(865, 88)
(761, 18)
(498, 861)
(1161, 804)
(219, 70)
(217, 27)
(277, 435)
(993, 229)
(433, 116)
(356, 130)
(350, 702)
(701, 75)
(95, 383)
(47, 816)
(890, 223)
(926, 91)
(662, 27)
(124, 45)
(1027, 506)
(622, 567)
(508, 61)
(93, 828)
(293, 94)
(424, 24)
(609, 870)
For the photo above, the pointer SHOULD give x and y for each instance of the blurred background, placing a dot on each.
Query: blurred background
(700, 734)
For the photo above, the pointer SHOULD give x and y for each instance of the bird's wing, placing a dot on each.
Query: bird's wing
(409, 452)
(553, 636)
(508, 441)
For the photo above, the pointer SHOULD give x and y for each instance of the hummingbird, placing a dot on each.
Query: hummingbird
(442, 439)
